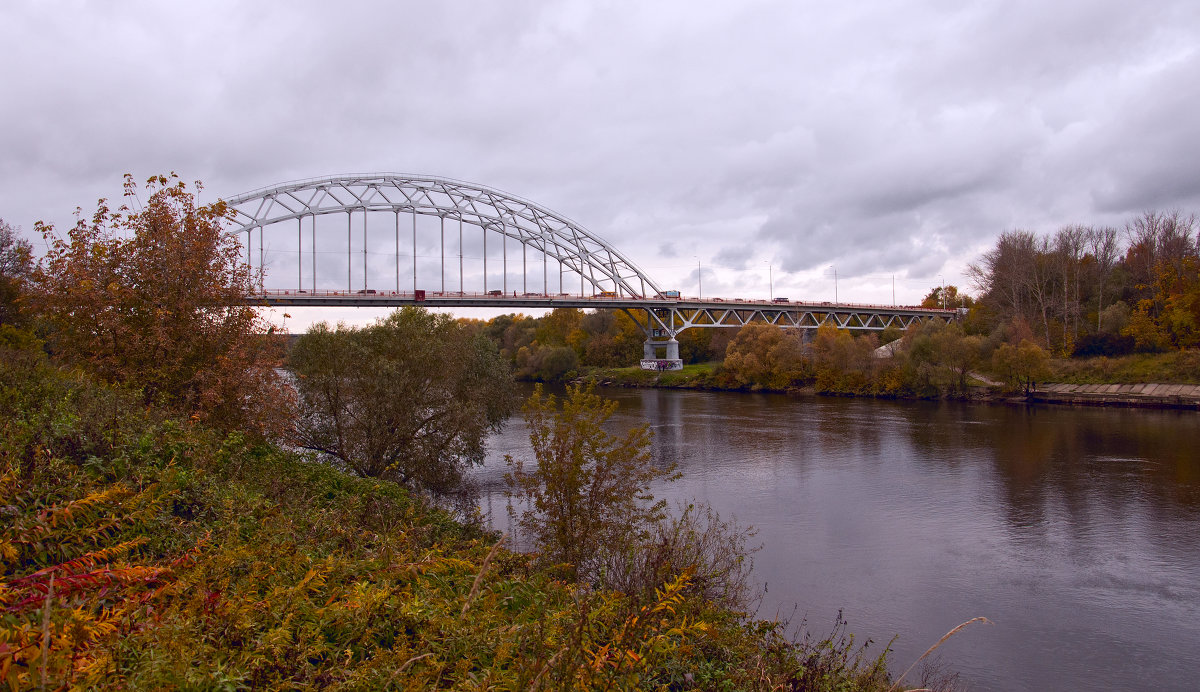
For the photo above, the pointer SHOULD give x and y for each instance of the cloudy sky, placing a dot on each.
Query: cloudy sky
(874, 139)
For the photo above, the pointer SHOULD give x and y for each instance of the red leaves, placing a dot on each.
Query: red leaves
(97, 583)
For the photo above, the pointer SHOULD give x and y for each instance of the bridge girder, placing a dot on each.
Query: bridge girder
(671, 321)
(548, 232)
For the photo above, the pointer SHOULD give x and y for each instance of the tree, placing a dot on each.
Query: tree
(1021, 366)
(1002, 274)
(154, 298)
(1069, 244)
(1157, 239)
(16, 263)
(1104, 251)
(957, 352)
(941, 356)
(764, 354)
(949, 298)
(587, 492)
(409, 398)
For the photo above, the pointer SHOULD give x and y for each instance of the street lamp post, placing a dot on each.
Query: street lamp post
(699, 280)
(770, 279)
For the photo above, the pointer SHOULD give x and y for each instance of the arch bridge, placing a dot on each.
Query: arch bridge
(381, 239)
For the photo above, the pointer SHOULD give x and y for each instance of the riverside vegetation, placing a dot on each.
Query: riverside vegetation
(1082, 305)
(162, 527)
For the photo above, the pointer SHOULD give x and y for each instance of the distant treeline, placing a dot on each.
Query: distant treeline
(1087, 290)
(567, 339)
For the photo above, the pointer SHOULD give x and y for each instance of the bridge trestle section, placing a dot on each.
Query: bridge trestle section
(664, 324)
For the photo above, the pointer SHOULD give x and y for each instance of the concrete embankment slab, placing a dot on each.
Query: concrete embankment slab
(1151, 395)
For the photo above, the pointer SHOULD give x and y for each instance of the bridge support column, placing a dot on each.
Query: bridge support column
(650, 359)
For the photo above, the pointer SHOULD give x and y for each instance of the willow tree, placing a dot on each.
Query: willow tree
(410, 398)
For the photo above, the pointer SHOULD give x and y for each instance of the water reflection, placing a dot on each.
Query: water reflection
(1076, 530)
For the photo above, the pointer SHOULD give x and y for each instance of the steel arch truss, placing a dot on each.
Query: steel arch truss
(671, 321)
(557, 237)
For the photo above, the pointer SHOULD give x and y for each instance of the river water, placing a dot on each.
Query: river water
(1075, 530)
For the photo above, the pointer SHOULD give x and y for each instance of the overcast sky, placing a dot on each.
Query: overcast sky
(877, 139)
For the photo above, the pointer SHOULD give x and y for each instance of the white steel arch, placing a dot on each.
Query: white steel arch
(576, 249)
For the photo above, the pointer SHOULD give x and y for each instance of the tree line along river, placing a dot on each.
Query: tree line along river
(1075, 530)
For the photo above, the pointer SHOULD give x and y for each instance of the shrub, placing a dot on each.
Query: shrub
(587, 492)
(695, 540)
(1103, 344)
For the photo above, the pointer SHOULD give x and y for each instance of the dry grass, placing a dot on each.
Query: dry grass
(933, 648)
(482, 571)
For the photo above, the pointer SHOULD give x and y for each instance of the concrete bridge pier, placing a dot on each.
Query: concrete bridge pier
(650, 359)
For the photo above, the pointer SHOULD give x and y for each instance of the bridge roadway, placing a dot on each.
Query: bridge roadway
(665, 316)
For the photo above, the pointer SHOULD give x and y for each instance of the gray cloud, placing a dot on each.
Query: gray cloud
(879, 138)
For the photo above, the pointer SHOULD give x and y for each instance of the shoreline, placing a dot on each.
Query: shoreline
(1146, 395)
(1142, 395)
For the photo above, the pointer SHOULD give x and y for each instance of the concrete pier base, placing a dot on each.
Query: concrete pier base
(651, 360)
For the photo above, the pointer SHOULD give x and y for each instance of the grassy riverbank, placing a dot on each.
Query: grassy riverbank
(1181, 367)
(1176, 367)
(140, 551)
(693, 376)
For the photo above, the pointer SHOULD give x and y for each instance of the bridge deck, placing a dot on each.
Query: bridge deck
(373, 298)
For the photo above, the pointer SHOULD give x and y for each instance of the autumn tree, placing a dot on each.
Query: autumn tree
(153, 298)
(15, 266)
(410, 398)
(1021, 366)
(586, 492)
(1157, 240)
(941, 356)
(947, 297)
(614, 339)
(557, 327)
(765, 354)
(1171, 316)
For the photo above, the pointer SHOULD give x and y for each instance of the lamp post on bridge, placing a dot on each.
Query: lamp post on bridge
(699, 279)
(770, 279)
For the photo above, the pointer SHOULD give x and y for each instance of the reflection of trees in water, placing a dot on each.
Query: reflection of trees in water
(1084, 463)
(1061, 470)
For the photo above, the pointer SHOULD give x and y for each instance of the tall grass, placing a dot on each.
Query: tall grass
(1177, 367)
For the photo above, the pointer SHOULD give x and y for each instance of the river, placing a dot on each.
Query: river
(1075, 530)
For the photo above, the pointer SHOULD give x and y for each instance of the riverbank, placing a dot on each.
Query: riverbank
(139, 551)
(1184, 396)
(1168, 395)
